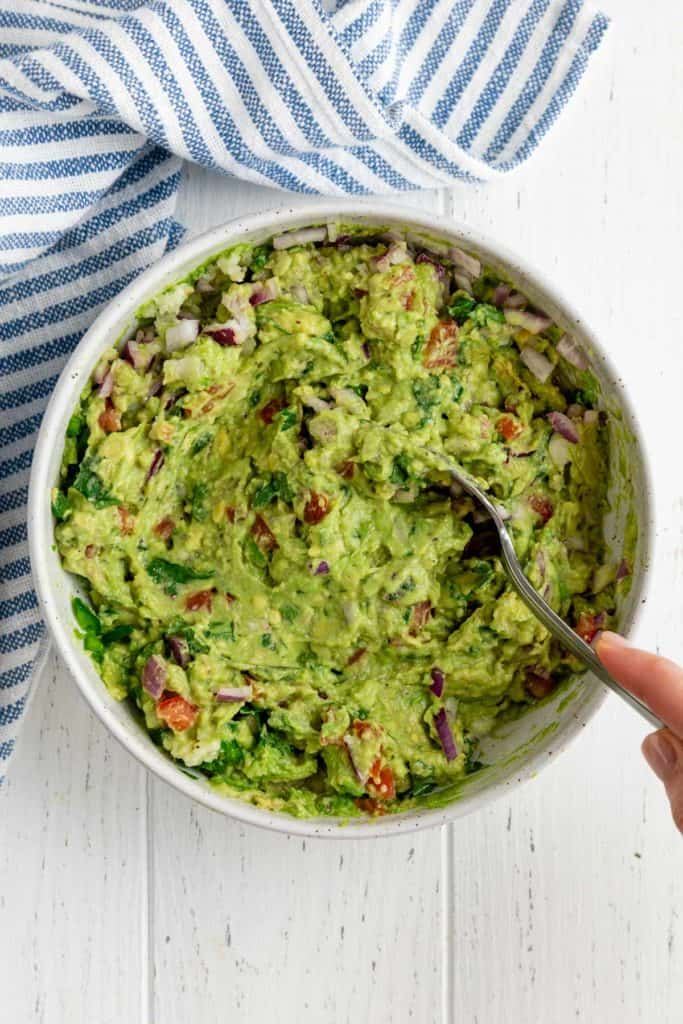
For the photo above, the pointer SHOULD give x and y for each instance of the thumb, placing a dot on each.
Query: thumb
(664, 753)
(655, 680)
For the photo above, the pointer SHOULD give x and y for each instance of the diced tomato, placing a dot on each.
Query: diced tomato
(538, 684)
(230, 598)
(441, 351)
(230, 513)
(422, 612)
(165, 527)
(127, 520)
(507, 427)
(409, 301)
(316, 508)
(202, 599)
(208, 406)
(177, 712)
(263, 535)
(542, 507)
(346, 469)
(365, 730)
(360, 292)
(270, 411)
(109, 420)
(356, 656)
(381, 781)
(370, 806)
(588, 626)
(90, 550)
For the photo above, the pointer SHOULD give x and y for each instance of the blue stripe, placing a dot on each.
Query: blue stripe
(8, 467)
(475, 54)
(15, 675)
(534, 84)
(11, 712)
(10, 500)
(15, 570)
(6, 749)
(20, 429)
(571, 80)
(503, 73)
(20, 638)
(49, 169)
(13, 535)
(16, 605)
(28, 393)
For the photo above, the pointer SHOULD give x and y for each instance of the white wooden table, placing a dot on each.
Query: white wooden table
(121, 901)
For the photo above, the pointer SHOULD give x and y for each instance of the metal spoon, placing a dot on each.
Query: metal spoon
(552, 622)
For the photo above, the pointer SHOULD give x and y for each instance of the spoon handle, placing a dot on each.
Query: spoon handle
(561, 631)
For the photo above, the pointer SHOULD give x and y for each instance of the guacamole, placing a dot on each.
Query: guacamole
(299, 605)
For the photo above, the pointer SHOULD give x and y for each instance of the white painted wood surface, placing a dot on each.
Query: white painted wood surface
(120, 901)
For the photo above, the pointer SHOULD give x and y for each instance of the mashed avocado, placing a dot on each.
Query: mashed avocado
(301, 609)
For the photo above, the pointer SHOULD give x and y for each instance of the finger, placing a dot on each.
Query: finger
(655, 680)
(664, 753)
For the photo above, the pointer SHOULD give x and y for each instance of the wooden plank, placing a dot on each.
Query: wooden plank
(73, 868)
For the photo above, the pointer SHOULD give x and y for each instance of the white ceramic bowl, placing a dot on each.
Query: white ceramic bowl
(516, 751)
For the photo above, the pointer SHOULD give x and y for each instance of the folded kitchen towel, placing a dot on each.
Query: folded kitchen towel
(101, 100)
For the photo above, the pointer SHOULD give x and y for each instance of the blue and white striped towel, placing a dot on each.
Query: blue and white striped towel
(101, 99)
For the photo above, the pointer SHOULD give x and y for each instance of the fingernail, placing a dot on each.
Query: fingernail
(605, 638)
(660, 754)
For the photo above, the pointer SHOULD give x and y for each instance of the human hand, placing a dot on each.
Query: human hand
(659, 683)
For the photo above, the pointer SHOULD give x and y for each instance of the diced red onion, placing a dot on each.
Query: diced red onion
(154, 676)
(563, 426)
(233, 694)
(534, 323)
(623, 570)
(300, 293)
(575, 411)
(365, 349)
(180, 650)
(559, 451)
(100, 371)
(265, 291)
(433, 261)
(106, 385)
(572, 352)
(181, 334)
(155, 465)
(515, 300)
(360, 775)
(135, 353)
(315, 403)
(442, 726)
(332, 231)
(463, 282)
(346, 397)
(537, 363)
(500, 294)
(302, 237)
(463, 261)
(396, 253)
(438, 680)
(591, 417)
(203, 285)
(155, 387)
(224, 336)
(322, 569)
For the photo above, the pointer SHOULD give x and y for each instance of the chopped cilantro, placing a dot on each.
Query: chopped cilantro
(259, 258)
(169, 574)
(289, 612)
(88, 484)
(276, 487)
(399, 470)
(60, 507)
(287, 419)
(461, 307)
(253, 398)
(256, 556)
(200, 443)
(118, 633)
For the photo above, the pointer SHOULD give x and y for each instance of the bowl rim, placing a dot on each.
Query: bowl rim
(71, 382)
